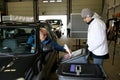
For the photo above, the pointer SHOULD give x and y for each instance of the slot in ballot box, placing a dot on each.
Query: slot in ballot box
(78, 56)
(81, 71)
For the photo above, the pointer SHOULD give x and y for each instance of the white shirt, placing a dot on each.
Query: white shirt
(96, 15)
(97, 40)
(69, 25)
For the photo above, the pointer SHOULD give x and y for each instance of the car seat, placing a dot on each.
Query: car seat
(10, 43)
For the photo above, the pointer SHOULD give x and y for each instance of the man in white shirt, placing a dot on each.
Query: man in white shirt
(96, 37)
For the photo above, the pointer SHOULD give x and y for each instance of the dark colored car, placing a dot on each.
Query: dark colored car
(56, 26)
(16, 59)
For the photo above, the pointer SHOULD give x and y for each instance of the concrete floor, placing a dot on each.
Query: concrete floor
(112, 70)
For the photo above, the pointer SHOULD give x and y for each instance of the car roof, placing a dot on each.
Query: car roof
(17, 25)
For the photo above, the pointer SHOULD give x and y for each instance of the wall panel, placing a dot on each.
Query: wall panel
(78, 5)
(55, 8)
(20, 8)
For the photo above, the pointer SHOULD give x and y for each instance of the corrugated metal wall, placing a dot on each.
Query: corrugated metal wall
(25, 8)
(20, 8)
(53, 8)
(95, 5)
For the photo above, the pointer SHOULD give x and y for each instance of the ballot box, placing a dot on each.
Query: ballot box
(78, 56)
(81, 71)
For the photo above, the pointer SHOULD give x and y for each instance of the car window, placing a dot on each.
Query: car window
(54, 22)
(14, 40)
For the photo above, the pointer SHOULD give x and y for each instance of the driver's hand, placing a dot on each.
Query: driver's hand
(67, 56)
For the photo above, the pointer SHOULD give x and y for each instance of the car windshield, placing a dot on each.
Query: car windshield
(13, 40)
(54, 22)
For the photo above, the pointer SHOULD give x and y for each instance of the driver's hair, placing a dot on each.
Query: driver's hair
(44, 31)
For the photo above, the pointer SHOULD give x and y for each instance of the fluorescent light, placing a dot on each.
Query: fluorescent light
(45, 1)
(59, 1)
(52, 0)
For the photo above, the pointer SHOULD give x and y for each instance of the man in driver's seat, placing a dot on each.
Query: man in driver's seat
(45, 40)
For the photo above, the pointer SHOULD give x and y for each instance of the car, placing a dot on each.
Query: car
(56, 26)
(16, 59)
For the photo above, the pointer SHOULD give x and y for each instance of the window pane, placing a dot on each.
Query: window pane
(45, 1)
(59, 1)
(52, 0)
(14, 40)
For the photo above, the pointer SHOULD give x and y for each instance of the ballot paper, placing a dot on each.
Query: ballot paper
(67, 49)
(74, 53)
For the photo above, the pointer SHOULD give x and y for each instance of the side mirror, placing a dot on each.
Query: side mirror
(61, 24)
